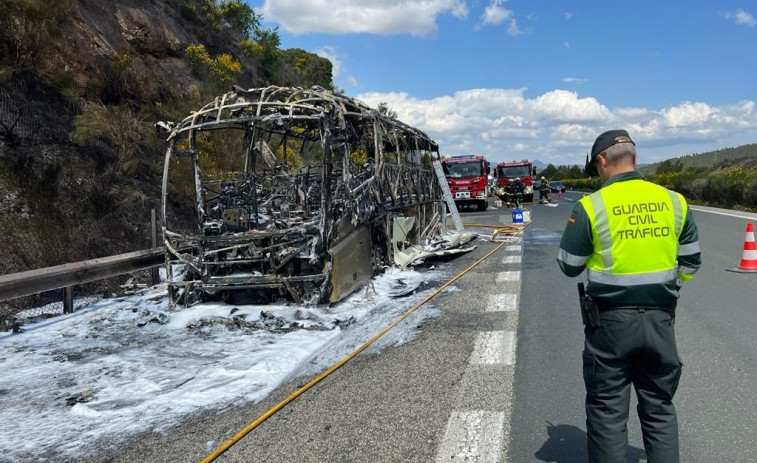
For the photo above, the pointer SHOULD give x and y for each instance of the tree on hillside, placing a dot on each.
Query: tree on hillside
(575, 172)
(300, 68)
(269, 42)
(550, 171)
(240, 17)
(670, 166)
(384, 109)
(706, 160)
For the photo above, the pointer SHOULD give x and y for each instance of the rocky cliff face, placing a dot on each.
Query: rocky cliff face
(62, 201)
(152, 33)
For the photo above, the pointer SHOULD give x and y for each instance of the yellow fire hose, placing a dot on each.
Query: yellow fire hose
(501, 229)
(238, 436)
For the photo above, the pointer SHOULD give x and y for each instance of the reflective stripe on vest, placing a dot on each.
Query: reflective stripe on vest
(635, 229)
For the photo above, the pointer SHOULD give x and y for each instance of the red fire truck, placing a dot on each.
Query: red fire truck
(467, 177)
(507, 171)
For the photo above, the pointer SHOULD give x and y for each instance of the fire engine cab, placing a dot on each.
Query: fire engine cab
(467, 177)
(508, 171)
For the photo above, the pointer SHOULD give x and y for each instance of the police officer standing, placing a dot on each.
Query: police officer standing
(639, 244)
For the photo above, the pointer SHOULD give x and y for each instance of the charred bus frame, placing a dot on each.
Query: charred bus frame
(307, 209)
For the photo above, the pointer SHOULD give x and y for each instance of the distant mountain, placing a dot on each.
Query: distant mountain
(706, 160)
(538, 164)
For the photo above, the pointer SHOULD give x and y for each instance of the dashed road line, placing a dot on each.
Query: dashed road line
(508, 276)
(472, 436)
(510, 260)
(494, 348)
(481, 435)
(505, 302)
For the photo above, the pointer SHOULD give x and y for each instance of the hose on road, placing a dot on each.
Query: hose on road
(238, 436)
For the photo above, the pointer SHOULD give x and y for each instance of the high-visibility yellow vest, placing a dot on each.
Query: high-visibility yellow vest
(635, 228)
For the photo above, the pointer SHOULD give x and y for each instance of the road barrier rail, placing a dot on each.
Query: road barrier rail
(66, 276)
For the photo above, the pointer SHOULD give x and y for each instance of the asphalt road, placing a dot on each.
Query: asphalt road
(715, 328)
(497, 375)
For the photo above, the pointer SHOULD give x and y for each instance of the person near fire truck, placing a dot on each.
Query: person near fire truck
(515, 190)
(544, 189)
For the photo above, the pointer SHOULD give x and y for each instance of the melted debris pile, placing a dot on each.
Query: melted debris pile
(267, 321)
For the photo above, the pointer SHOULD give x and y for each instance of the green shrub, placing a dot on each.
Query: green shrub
(583, 184)
(298, 67)
(222, 69)
(233, 14)
(239, 16)
(120, 126)
(29, 27)
(734, 189)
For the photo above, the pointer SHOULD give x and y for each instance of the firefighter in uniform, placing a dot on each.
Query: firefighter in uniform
(639, 244)
(515, 190)
(543, 190)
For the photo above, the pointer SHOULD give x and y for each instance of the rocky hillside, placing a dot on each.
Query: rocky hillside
(82, 83)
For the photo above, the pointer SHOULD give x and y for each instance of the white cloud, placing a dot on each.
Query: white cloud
(740, 17)
(632, 113)
(687, 114)
(574, 80)
(513, 29)
(351, 80)
(495, 13)
(560, 126)
(568, 15)
(382, 17)
(565, 106)
(573, 133)
(567, 45)
(330, 54)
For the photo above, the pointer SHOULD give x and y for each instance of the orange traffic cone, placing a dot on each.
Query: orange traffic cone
(559, 194)
(749, 258)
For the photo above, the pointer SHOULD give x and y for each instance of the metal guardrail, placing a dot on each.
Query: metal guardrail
(65, 276)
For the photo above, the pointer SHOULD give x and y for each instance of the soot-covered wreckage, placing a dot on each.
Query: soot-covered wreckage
(298, 193)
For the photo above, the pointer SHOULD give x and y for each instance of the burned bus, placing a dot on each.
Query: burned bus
(283, 192)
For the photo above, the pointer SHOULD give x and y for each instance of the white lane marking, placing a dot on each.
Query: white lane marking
(479, 435)
(723, 213)
(510, 260)
(494, 348)
(506, 302)
(507, 276)
(472, 436)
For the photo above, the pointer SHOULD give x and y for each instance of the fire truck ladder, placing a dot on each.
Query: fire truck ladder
(448, 197)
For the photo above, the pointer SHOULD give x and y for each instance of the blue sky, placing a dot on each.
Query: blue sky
(514, 79)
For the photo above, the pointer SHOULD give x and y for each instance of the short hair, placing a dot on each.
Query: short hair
(620, 152)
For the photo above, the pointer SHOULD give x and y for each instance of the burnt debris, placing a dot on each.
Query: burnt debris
(295, 193)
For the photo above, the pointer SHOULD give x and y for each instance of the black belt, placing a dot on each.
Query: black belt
(604, 307)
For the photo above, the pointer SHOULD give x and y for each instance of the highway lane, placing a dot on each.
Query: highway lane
(451, 393)
(715, 328)
(447, 393)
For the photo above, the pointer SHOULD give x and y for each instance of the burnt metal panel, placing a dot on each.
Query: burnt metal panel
(351, 264)
(290, 185)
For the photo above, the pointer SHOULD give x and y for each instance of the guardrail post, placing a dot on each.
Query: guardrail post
(68, 299)
(154, 236)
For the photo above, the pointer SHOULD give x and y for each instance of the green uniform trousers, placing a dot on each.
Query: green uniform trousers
(633, 346)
